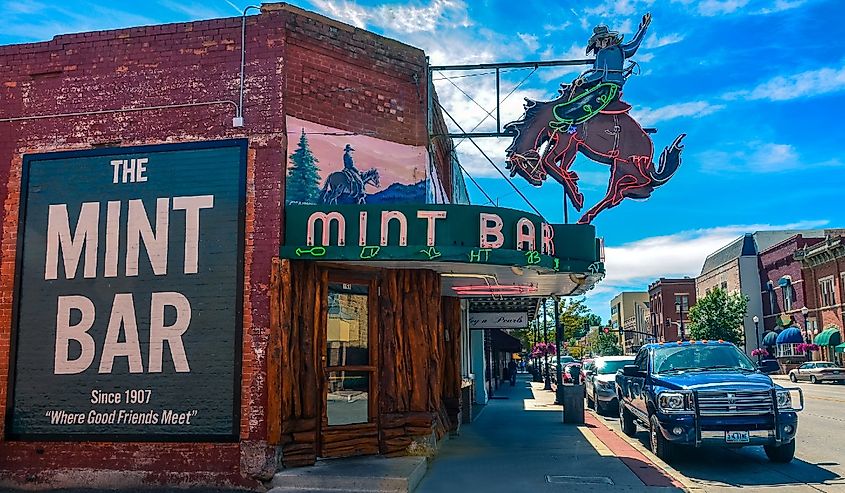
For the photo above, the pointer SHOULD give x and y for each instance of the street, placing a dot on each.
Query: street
(818, 463)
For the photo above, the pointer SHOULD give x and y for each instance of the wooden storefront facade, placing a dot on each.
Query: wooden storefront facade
(413, 344)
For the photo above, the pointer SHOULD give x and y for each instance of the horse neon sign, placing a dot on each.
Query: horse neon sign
(589, 117)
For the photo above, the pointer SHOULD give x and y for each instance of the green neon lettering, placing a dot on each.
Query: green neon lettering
(368, 252)
(431, 253)
(532, 257)
(316, 251)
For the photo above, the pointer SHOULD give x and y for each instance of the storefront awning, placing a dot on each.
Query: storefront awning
(503, 342)
(828, 337)
(481, 252)
(840, 348)
(770, 338)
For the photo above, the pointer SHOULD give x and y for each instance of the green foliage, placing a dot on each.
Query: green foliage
(608, 344)
(593, 320)
(718, 315)
(303, 181)
(574, 317)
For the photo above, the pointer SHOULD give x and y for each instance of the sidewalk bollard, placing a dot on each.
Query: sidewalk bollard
(573, 404)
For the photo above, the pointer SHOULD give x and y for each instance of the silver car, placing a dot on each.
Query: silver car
(818, 371)
(600, 382)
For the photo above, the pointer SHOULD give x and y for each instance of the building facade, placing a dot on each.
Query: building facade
(783, 288)
(824, 276)
(669, 304)
(736, 269)
(223, 292)
(629, 307)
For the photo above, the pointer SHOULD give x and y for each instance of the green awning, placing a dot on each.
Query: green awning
(840, 348)
(829, 337)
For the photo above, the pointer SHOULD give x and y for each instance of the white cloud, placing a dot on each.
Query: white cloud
(403, 19)
(780, 6)
(655, 41)
(636, 264)
(711, 8)
(697, 109)
(530, 41)
(760, 157)
(804, 84)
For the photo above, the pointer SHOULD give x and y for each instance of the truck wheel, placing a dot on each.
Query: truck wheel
(626, 419)
(813, 379)
(661, 447)
(783, 454)
(591, 403)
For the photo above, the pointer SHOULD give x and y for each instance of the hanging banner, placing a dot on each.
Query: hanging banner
(129, 294)
(498, 320)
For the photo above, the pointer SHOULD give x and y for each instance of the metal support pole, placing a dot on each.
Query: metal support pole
(498, 104)
(558, 339)
(548, 383)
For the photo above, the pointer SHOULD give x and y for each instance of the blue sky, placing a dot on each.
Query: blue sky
(758, 86)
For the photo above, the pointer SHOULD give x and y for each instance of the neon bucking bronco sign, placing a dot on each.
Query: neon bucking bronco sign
(590, 117)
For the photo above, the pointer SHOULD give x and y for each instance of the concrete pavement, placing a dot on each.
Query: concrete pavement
(518, 443)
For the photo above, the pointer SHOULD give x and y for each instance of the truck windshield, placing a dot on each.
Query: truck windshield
(610, 367)
(700, 357)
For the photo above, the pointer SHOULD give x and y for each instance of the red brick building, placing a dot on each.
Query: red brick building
(783, 285)
(665, 296)
(179, 83)
(824, 276)
(312, 344)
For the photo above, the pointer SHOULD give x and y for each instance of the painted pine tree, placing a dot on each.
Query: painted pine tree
(303, 183)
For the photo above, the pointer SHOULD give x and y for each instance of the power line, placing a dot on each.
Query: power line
(494, 164)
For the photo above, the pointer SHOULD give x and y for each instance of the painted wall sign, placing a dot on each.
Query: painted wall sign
(129, 293)
(327, 165)
(439, 233)
(498, 320)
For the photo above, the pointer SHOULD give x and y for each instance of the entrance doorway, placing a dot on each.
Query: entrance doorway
(350, 362)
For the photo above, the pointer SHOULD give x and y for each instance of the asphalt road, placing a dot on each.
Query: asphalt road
(819, 463)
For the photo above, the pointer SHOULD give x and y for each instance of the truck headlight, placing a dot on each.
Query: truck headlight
(784, 399)
(604, 385)
(674, 402)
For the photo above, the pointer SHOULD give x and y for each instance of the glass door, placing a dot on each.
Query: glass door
(349, 360)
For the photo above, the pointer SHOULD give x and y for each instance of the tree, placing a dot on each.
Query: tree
(718, 315)
(574, 317)
(594, 320)
(303, 183)
(608, 343)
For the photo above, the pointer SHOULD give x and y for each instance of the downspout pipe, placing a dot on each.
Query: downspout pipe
(239, 118)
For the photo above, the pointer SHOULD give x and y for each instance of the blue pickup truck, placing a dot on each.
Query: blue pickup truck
(698, 393)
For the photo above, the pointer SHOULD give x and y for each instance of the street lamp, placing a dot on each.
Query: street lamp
(678, 308)
(805, 311)
(756, 320)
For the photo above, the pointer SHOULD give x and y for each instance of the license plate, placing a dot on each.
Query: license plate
(736, 437)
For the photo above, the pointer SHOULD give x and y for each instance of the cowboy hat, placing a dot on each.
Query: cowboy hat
(348, 148)
(601, 32)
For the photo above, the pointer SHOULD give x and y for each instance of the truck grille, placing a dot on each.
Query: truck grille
(734, 403)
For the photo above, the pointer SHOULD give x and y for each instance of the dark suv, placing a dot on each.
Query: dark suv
(706, 393)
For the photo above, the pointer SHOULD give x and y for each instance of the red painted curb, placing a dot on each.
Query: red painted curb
(646, 470)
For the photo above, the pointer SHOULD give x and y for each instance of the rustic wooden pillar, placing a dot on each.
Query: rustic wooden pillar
(274, 353)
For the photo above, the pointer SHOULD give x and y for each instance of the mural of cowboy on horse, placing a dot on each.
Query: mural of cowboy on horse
(589, 117)
(349, 184)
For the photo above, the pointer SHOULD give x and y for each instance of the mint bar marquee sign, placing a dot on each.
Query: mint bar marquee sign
(129, 293)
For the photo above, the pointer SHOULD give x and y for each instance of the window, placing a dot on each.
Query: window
(724, 285)
(787, 298)
(773, 302)
(682, 300)
(826, 290)
(642, 360)
(784, 350)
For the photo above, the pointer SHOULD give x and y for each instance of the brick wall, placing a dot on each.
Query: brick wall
(775, 263)
(297, 62)
(662, 306)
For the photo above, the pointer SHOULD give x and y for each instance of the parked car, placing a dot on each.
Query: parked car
(570, 369)
(769, 366)
(600, 382)
(706, 393)
(586, 365)
(817, 372)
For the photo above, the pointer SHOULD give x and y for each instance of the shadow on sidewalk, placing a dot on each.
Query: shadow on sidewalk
(520, 443)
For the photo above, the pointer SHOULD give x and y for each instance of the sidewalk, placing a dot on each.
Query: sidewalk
(520, 444)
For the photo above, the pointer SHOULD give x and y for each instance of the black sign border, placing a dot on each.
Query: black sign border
(28, 159)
